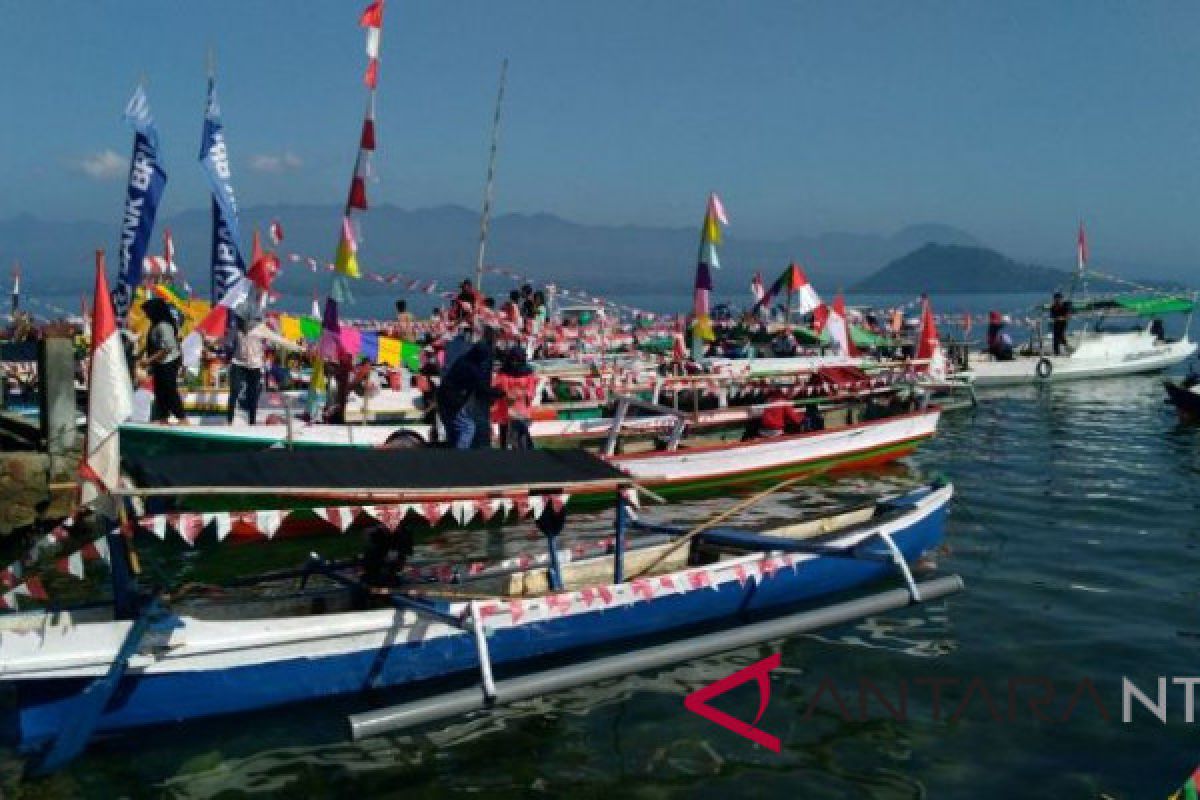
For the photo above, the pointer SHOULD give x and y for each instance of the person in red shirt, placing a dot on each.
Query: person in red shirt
(516, 384)
(778, 416)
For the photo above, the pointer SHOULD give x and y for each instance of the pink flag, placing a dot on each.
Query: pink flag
(717, 208)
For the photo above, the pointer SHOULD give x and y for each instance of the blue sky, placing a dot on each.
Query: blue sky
(1011, 120)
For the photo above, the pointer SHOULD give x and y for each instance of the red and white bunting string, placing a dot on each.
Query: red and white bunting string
(371, 19)
(188, 525)
(519, 610)
(70, 564)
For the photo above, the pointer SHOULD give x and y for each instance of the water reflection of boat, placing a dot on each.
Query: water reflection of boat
(1185, 396)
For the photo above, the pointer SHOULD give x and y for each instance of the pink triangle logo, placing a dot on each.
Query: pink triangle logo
(697, 701)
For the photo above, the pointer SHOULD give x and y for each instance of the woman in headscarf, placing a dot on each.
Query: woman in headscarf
(162, 357)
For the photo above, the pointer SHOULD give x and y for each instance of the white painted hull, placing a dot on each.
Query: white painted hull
(876, 440)
(1106, 355)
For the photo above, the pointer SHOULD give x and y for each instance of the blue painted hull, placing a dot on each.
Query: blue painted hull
(145, 699)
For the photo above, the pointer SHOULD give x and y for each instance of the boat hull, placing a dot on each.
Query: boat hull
(1111, 355)
(693, 470)
(191, 668)
(858, 446)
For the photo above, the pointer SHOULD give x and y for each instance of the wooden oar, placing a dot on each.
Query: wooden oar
(716, 520)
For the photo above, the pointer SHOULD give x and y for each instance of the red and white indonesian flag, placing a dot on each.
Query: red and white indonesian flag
(164, 264)
(839, 329)
(215, 322)
(110, 396)
(806, 296)
(372, 20)
(757, 289)
(929, 346)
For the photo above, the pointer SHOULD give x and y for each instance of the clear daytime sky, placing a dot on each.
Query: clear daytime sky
(1011, 120)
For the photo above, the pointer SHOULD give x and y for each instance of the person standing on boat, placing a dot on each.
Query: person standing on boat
(1060, 313)
(516, 384)
(468, 379)
(162, 357)
(245, 369)
(404, 329)
(999, 343)
(467, 302)
(481, 402)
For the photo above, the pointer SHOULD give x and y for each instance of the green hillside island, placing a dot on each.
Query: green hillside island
(955, 268)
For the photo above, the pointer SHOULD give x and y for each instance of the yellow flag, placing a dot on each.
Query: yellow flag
(389, 351)
(347, 251)
(289, 327)
(712, 231)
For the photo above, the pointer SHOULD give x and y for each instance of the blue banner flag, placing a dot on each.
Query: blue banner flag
(146, 183)
(227, 262)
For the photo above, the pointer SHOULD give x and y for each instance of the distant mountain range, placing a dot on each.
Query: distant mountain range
(441, 243)
(956, 268)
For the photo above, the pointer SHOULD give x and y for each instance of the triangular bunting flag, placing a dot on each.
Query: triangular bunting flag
(35, 589)
(268, 522)
(537, 504)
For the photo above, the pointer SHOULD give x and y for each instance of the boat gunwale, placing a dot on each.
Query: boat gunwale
(312, 628)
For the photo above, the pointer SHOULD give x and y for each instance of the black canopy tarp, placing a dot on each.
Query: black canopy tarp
(419, 470)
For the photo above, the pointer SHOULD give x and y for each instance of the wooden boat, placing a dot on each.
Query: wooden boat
(716, 404)
(658, 455)
(146, 662)
(693, 467)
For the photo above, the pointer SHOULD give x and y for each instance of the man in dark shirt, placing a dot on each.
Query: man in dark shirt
(1060, 312)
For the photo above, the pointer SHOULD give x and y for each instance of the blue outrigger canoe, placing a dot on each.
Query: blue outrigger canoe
(144, 662)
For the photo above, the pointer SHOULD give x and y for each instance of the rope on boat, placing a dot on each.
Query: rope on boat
(716, 520)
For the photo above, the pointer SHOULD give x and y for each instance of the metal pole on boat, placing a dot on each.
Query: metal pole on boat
(555, 567)
(512, 690)
(491, 175)
(619, 539)
(289, 441)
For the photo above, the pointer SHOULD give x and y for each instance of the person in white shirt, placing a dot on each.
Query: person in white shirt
(245, 369)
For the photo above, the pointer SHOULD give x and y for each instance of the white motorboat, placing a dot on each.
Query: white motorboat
(1104, 345)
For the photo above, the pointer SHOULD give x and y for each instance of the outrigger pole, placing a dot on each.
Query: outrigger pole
(485, 217)
(512, 690)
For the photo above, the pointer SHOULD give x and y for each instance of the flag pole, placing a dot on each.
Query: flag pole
(791, 293)
(485, 217)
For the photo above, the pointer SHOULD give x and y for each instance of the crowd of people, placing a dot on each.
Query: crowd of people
(474, 372)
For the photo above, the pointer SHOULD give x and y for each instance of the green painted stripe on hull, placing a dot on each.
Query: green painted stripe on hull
(684, 488)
